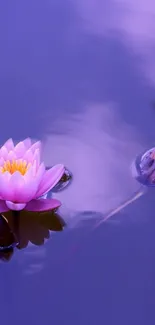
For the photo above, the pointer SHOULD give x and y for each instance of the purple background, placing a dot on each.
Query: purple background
(56, 57)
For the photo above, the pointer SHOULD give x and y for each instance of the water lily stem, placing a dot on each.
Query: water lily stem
(15, 213)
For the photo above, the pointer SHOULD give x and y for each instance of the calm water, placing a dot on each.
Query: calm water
(80, 76)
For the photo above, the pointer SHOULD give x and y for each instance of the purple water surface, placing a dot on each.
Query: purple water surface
(80, 76)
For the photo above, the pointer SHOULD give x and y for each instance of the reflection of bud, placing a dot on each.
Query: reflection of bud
(6, 256)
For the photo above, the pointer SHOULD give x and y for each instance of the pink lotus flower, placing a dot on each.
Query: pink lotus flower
(23, 179)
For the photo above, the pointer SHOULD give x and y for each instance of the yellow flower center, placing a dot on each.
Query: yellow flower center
(15, 165)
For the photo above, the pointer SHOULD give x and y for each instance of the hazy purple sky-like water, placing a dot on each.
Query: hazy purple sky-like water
(80, 76)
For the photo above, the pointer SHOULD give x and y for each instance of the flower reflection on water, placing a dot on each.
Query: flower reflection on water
(33, 227)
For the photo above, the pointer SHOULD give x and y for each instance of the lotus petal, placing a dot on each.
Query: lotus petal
(27, 143)
(4, 153)
(36, 145)
(20, 150)
(5, 190)
(28, 156)
(9, 144)
(50, 179)
(42, 205)
(15, 206)
(21, 191)
(12, 155)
